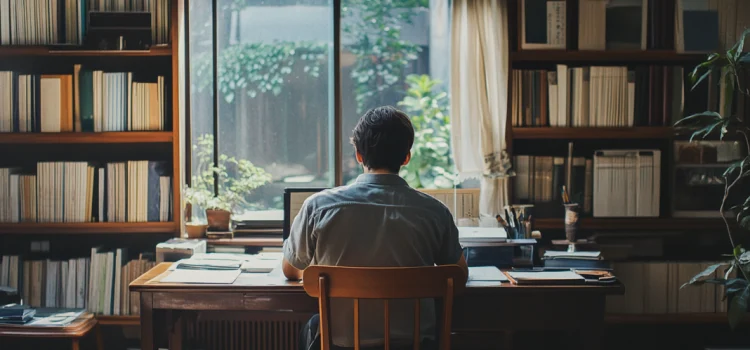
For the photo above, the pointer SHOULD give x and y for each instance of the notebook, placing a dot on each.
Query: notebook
(486, 273)
(544, 277)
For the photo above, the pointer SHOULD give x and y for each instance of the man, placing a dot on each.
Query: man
(379, 221)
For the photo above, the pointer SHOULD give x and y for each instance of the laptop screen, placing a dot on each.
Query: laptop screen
(293, 200)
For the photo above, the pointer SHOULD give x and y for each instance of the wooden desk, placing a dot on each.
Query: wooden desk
(484, 307)
(75, 331)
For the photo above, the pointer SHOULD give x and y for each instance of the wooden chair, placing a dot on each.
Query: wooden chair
(443, 282)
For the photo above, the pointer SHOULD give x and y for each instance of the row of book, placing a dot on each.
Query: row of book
(541, 178)
(654, 288)
(133, 191)
(602, 96)
(83, 101)
(626, 183)
(681, 25)
(98, 283)
(51, 22)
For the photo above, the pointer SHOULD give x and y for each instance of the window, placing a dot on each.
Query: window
(271, 125)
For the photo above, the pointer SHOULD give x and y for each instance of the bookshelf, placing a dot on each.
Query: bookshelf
(121, 137)
(43, 51)
(635, 224)
(601, 57)
(584, 133)
(43, 247)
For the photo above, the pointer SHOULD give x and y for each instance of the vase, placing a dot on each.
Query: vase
(218, 220)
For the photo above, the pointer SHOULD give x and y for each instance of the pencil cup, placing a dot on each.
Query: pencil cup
(572, 213)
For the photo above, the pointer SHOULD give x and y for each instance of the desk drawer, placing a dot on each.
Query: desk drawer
(297, 302)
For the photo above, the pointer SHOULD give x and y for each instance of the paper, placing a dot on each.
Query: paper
(202, 276)
(590, 255)
(260, 265)
(482, 234)
(545, 276)
(486, 273)
(206, 264)
(222, 256)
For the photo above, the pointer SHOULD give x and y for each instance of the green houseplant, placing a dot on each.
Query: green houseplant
(232, 189)
(732, 66)
(431, 165)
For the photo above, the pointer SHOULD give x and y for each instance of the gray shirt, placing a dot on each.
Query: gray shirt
(377, 221)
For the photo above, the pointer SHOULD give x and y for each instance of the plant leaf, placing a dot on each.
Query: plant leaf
(707, 272)
(716, 117)
(738, 307)
(702, 78)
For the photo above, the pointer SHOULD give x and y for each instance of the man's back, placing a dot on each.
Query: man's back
(378, 221)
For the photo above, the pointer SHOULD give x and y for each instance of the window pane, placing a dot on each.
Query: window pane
(399, 56)
(275, 101)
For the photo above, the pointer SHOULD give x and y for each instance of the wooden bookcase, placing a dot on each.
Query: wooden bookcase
(99, 146)
(125, 145)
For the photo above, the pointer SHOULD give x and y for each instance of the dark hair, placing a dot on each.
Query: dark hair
(383, 136)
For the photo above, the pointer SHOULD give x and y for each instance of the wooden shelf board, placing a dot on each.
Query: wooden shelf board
(575, 56)
(634, 224)
(688, 318)
(41, 51)
(87, 137)
(644, 132)
(88, 228)
(248, 241)
(129, 320)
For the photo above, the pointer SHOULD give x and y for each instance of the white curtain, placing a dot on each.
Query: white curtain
(479, 94)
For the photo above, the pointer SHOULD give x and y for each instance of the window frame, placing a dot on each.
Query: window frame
(335, 151)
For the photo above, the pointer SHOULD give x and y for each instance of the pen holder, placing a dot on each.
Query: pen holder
(572, 214)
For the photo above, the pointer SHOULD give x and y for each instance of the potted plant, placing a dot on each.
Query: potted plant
(732, 66)
(231, 189)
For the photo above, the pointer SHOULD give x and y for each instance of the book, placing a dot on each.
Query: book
(543, 24)
(627, 183)
(544, 277)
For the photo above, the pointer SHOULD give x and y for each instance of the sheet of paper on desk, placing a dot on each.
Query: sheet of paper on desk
(486, 273)
(482, 234)
(202, 276)
(546, 276)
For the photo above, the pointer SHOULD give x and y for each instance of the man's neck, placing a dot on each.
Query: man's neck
(379, 172)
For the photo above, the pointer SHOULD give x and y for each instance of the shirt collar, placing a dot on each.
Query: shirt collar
(382, 179)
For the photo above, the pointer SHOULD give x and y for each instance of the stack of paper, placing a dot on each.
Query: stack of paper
(588, 255)
(486, 273)
(482, 235)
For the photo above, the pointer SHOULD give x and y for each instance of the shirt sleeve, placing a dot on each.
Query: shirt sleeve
(450, 249)
(299, 248)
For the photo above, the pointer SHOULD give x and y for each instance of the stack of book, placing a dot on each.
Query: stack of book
(49, 22)
(587, 260)
(540, 179)
(597, 96)
(627, 183)
(98, 283)
(83, 101)
(16, 314)
(133, 191)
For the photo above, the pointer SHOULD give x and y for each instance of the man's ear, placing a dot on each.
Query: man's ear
(408, 158)
(358, 156)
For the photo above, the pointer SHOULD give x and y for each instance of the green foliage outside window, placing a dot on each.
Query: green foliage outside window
(431, 165)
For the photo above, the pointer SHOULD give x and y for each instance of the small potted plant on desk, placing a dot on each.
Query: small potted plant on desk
(232, 189)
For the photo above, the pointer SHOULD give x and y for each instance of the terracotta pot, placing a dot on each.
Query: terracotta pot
(196, 230)
(218, 220)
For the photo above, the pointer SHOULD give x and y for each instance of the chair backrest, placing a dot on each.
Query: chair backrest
(443, 282)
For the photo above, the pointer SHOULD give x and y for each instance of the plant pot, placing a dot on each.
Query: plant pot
(218, 220)
(196, 230)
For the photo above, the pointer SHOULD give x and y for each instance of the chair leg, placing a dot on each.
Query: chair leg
(76, 344)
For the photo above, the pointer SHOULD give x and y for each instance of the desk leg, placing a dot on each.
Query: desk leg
(76, 344)
(99, 339)
(175, 333)
(592, 336)
(147, 322)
